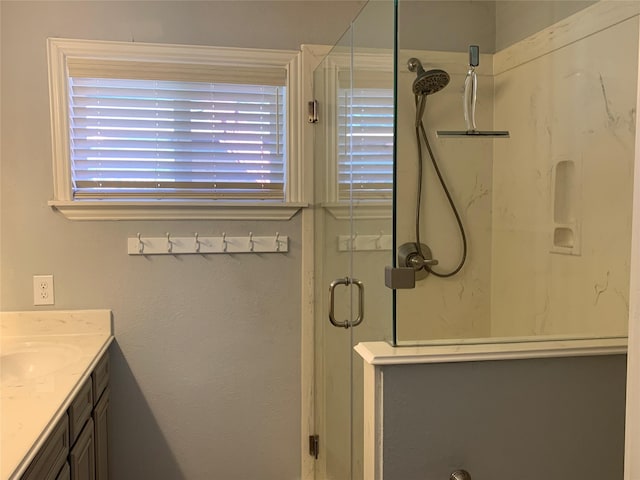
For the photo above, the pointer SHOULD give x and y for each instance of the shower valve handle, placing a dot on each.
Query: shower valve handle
(418, 262)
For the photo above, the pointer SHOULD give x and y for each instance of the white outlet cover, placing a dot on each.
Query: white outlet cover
(43, 290)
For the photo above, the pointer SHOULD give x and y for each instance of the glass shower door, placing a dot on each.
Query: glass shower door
(353, 228)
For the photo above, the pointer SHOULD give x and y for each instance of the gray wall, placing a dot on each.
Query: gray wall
(446, 25)
(454, 25)
(540, 419)
(516, 20)
(206, 376)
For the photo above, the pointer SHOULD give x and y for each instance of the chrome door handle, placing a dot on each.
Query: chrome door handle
(332, 287)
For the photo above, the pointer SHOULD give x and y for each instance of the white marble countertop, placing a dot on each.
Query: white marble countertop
(31, 407)
(383, 353)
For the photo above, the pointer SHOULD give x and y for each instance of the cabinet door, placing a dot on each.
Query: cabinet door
(80, 410)
(100, 415)
(81, 458)
(52, 455)
(65, 473)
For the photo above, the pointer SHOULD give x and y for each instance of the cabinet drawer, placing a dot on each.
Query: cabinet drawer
(80, 410)
(100, 377)
(52, 455)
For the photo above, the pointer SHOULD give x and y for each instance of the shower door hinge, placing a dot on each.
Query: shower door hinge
(312, 110)
(314, 445)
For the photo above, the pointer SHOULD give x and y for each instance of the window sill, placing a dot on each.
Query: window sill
(119, 210)
(362, 210)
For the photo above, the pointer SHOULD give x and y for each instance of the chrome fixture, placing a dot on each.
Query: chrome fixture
(427, 82)
(417, 255)
(420, 259)
(460, 475)
(347, 281)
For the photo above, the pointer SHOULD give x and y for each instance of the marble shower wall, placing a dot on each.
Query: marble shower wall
(456, 307)
(547, 211)
(562, 184)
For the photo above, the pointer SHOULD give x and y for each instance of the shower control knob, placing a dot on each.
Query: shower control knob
(420, 260)
(460, 475)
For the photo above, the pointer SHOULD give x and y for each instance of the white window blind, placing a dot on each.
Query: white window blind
(140, 138)
(365, 155)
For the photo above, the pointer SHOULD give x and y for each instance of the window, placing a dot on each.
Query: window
(356, 97)
(163, 131)
(365, 143)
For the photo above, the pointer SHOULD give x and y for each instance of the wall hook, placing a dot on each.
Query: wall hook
(194, 243)
(169, 243)
(140, 244)
(197, 242)
(379, 240)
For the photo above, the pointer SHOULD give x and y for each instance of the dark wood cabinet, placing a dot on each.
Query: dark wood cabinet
(77, 449)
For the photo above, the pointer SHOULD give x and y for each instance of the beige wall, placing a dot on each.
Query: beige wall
(206, 366)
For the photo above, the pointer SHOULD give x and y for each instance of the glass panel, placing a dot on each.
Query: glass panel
(353, 225)
(546, 211)
(372, 222)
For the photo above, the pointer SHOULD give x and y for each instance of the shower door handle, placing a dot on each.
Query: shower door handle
(360, 317)
(332, 287)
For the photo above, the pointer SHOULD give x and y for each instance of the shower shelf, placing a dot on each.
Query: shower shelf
(196, 244)
(358, 243)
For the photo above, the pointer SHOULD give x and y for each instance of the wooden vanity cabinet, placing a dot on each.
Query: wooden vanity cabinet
(65, 473)
(77, 447)
(82, 455)
(52, 456)
(100, 413)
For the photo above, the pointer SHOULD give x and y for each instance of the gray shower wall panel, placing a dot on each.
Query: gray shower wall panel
(532, 419)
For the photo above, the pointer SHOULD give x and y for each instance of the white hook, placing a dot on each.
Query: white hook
(251, 241)
(197, 242)
(224, 241)
(169, 243)
(140, 244)
(379, 240)
(353, 241)
(277, 241)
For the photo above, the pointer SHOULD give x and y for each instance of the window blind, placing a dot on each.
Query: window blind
(159, 139)
(365, 156)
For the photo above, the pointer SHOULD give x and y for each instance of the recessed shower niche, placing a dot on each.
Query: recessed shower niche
(566, 184)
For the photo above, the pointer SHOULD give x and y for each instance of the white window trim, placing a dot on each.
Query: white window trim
(60, 50)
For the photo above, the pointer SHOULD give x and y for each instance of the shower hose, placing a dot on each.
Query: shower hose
(421, 101)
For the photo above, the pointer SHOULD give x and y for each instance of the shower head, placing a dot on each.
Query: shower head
(427, 82)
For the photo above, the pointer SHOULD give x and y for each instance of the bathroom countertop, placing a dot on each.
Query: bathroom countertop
(31, 407)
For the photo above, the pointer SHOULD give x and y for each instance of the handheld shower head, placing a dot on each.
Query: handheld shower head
(427, 82)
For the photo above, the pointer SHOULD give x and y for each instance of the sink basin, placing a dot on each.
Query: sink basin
(30, 360)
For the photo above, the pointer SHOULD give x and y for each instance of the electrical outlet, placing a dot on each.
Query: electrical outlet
(43, 290)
